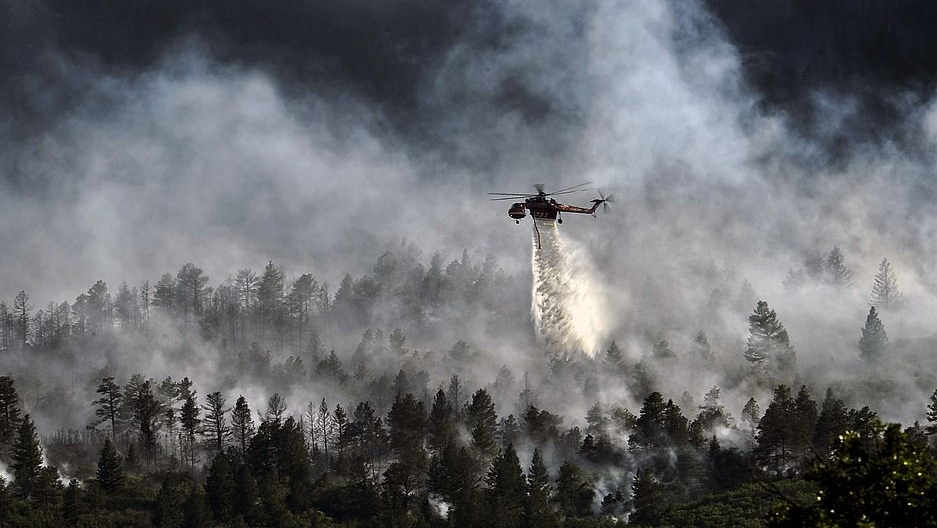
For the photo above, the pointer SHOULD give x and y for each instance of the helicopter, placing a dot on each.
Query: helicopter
(542, 206)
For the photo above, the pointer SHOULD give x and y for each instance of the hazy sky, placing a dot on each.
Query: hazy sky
(136, 136)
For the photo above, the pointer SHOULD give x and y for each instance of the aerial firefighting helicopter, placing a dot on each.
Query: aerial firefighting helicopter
(542, 206)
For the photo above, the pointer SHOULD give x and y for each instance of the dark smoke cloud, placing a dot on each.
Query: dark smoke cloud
(880, 56)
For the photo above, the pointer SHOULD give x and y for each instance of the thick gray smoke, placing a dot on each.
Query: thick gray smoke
(191, 158)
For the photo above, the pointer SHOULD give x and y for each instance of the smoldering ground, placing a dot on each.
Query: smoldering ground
(319, 138)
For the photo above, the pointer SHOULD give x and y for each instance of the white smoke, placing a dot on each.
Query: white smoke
(5, 473)
(566, 305)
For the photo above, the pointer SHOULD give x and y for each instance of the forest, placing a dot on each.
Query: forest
(254, 403)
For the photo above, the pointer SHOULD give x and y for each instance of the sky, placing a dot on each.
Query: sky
(137, 136)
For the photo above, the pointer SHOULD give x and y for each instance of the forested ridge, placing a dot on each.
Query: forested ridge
(267, 400)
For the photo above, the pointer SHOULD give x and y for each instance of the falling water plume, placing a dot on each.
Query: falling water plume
(566, 305)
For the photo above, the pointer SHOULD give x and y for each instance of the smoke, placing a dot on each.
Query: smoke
(142, 150)
(567, 305)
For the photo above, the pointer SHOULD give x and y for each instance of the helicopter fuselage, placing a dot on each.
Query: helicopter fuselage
(547, 208)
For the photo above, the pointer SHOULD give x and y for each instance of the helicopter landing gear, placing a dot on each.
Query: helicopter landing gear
(517, 221)
(559, 220)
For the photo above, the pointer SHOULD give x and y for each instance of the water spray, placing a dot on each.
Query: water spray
(566, 306)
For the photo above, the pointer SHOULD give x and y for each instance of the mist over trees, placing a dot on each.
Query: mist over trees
(266, 399)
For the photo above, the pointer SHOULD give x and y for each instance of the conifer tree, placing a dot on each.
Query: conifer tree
(775, 430)
(803, 423)
(647, 497)
(220, 487)
(216, 426)
(874, 340)
(931, 428)
(832, 421)
(701, 347)
(675, 424)
(26, 456)
(9, 412)
(110, 474)
(242, 424)
(483, 422)
(650, 425)
(885, 292)
(245, 495)
(574, 493)
(613, 355)
(769, 347)
(837, 274)
(146, 413)
(189, 421)
(340, 430)
(537, 510)
(71, 501)
(109, 404)
(440, 424)
(407, 422)
(751, 415)
(21, 310)
(47, 491)
(506, 489)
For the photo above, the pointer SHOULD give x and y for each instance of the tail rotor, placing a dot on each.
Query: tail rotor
(605, 200)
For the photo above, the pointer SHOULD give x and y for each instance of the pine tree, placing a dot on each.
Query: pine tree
(537, 510)
(220, 487)
(440, 424)
(885, 292)
(932, 415)
(216, 427)
(109, 404)
(110, 474)
(650, 425)
(832, 422)
(613, 355)
(190, 290)
(47, 491)
(71, 501)
(27, 457)
(276, 408)
(189, 421)
(146, 413)
(21, 309)
(769, 346)
(775, 430)
(751, 415)
(483, 421)
(242, 424)
(803, 423)
(407, 422)
(506, 489)
(574, 494)
(9, 412)
(712, 414)
(874, 340)
(701, 347)
(837, 274)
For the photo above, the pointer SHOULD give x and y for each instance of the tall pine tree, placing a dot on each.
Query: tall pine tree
(27, 457)
(110, 474)
(874, 340)
(885, 292)
(769, 348)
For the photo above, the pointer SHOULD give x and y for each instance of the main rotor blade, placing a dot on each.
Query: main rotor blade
(507, 198)
(566, 192)
(510, 194)
(571, 188)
